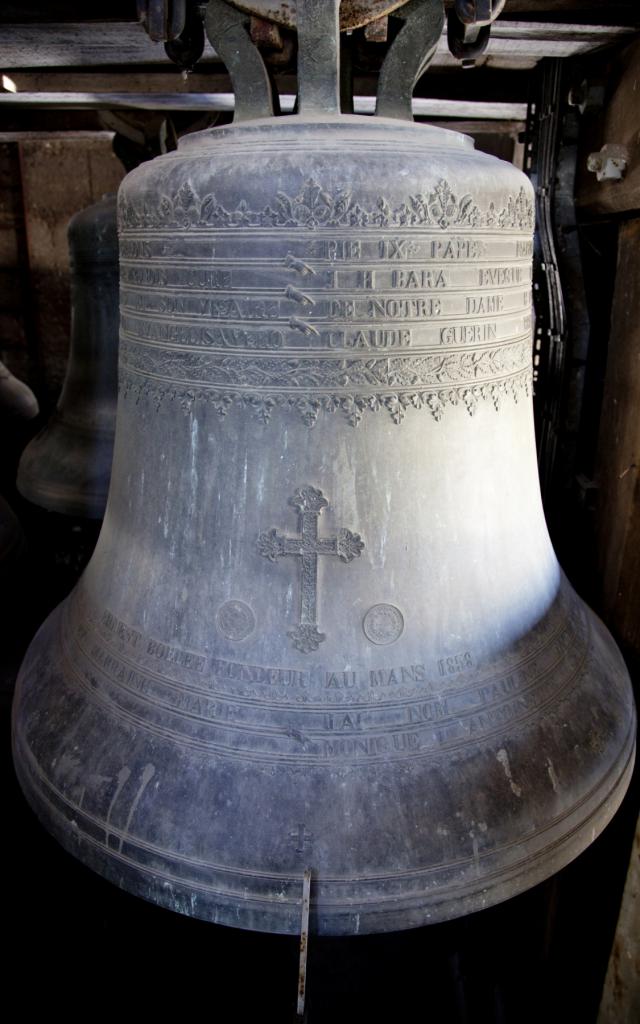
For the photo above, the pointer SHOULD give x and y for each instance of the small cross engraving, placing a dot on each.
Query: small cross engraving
(302, 837)
(309, 501)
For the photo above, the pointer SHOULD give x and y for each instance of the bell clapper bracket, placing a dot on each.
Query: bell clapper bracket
(304, 946)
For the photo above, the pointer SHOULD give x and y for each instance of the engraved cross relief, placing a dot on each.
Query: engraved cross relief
(309, 501)
(302, 837)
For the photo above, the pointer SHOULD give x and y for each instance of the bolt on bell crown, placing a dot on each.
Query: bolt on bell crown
(324, 627)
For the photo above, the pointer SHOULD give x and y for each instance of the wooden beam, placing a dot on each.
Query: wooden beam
(82, 44)
(222, 102)
(480, 84)
(52, 136)
(622, 9)
(619, 123)
(621, 996)
(124, 10)
(618, 472)
(159, 79)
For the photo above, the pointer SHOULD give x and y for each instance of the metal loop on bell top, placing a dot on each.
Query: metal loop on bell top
(409, 56)
(318, 57)
(228, 32)
(318, 24)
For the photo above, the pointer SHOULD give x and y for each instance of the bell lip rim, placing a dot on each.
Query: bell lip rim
(432, 135)
(399, 918)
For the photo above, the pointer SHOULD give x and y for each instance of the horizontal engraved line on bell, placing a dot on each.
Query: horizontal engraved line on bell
(132, 647)
(487, 690)
(419, 280)
(280, 304)
(221, 690)
(213, 881)
(485, 374)
(423, 357)
(155, 330)
(434, 724)
(337, 249)
(360, 357)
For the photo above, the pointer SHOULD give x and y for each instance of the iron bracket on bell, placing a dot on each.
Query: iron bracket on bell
(229, 31)
(469, 27)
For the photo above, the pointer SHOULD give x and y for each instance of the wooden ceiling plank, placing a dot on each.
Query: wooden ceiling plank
(83, 44)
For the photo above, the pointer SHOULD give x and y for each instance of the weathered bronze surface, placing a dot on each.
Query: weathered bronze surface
(67, 467)
(324, 628)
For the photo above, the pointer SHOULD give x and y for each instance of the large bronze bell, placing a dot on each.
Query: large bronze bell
(324, 627)
(67, 466)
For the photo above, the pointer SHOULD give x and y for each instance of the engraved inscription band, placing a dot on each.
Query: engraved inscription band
(224, 307)
(255, 712)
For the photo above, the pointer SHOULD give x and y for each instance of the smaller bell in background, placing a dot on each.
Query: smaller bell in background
(67, 466)
(17, 402)
(16, 398)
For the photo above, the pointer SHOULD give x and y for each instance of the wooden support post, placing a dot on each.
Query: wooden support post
(618, 472)
(621, 996)
(619, 124)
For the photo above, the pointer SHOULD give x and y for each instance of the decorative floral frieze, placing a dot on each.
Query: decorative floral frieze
(315, 207)
(304, 373)
(352, 406)
(321, 372)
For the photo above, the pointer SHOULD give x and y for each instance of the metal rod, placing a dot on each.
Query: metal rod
(304, 943)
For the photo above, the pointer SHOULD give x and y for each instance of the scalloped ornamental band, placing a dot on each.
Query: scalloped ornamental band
(315, 207)
(452, 315)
